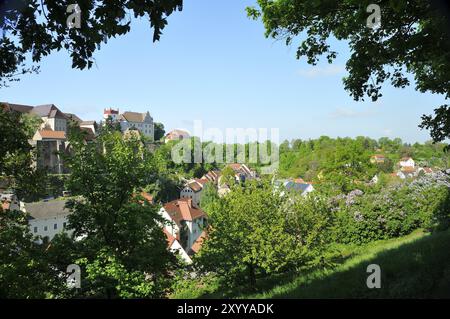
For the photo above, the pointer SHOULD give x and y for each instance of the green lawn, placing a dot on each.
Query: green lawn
(414, 266)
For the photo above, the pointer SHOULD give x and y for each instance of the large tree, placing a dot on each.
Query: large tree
(16, 154)
(413, 38)
(255, 231)
(121, 246)
(39, 27)
(24, 270)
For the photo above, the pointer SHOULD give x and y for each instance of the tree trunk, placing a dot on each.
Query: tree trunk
(251, 276)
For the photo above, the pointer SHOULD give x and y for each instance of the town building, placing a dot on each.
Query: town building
(176, 135)
(50, 144)
(407, 162)
(140, 121)
(47, 218)
(242, 172)
(111, 114)
(193, 190)
(213, 176)
(377, 159)
(298, 186)
(51, 136)
(143, 122)
(186, 222)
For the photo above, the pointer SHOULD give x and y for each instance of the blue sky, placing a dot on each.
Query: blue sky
(214, 64)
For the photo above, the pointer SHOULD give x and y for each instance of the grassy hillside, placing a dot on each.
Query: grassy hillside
(414, 266)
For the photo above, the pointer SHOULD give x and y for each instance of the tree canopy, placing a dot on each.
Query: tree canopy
(40, 27)
(121, 245)
(413, 38)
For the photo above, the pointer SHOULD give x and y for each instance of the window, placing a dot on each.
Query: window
(55, 226)
(35, 229)
(45, 228)
(64, 225)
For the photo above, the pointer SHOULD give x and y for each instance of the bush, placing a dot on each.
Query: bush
(394, 211)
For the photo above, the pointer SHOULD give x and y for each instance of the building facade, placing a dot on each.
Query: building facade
(47, 218)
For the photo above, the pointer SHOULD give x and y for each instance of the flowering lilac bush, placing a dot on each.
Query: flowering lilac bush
(394, 211)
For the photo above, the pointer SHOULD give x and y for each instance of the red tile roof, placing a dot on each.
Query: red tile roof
(198, 243)
(146, 196)
(110, 111)
(170, 238)
(182, 209)
(61, 135)
(408, 169)
(195, 186)
(201, 181)
(6, 205)
(212, 176)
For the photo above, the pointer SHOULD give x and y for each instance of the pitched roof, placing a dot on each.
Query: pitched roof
(202, 181)
(212, 176)
(73, 117)
(408, 169)
(60, 135)
(110, 111)
(182, 209)
(87, 123)
(48, 110)
(195, 186)
(18, 107)
(198, 243)
(240, 168)
(90, 135)
(170, 239)
(133, 116)
(290, 185)
(177, 133)
(45, 210)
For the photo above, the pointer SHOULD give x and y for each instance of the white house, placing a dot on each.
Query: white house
(111, 114)
(242, 171)
(51, 116)
(90, 125)
(185, 222)
(193, 190)
(300, 187)
(140, 121)
(407, 172)
(175, 247)
(407, 162)
(48, 218)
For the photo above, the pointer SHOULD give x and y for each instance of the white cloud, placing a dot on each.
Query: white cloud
(318, 71)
